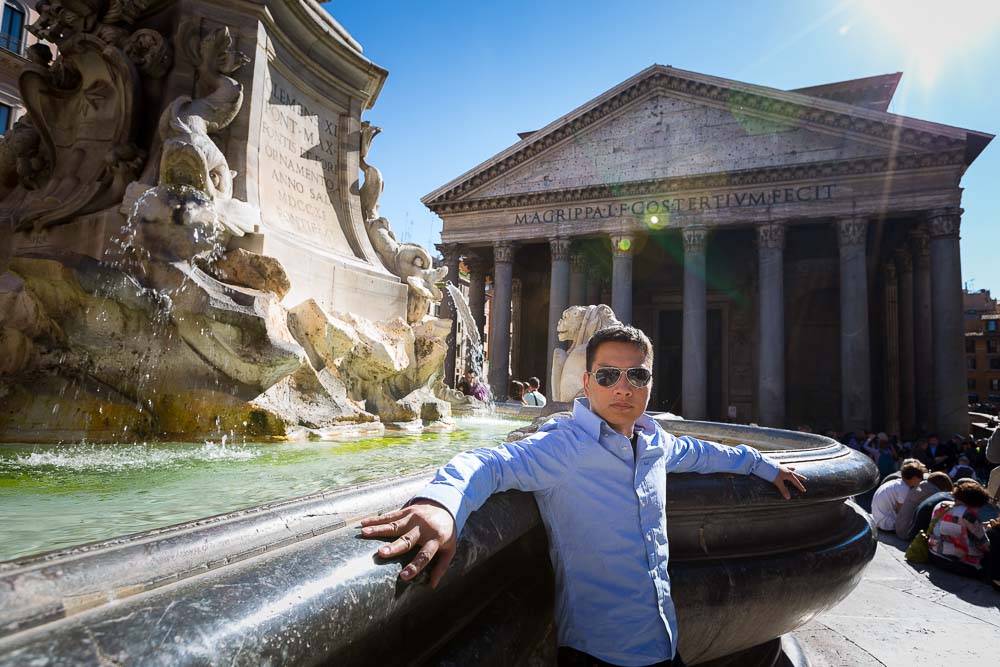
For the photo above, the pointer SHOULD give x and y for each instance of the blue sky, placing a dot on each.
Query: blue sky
(465, 77)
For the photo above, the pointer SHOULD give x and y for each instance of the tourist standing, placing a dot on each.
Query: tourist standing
(599, 478)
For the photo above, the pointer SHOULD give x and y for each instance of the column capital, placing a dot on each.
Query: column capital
(475, 263)
(904, 261)
(921, 245)
(944, 222)
(890, 271)
(852, 231)
(694, 238)
(503, 251)
(578, 262)
(559, 247)
(771, 235)
(622, 245)
(451, 252)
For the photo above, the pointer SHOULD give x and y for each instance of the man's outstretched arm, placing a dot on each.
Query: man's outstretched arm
(703, 456)
(437, 515)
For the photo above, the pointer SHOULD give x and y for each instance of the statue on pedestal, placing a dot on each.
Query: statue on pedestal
(577, 324)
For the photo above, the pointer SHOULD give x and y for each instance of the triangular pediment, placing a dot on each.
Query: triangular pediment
(669, 124)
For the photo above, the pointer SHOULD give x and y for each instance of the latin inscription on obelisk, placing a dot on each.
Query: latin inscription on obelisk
(297, 168)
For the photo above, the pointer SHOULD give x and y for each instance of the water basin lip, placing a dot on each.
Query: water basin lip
(90, 549)
(796, 441)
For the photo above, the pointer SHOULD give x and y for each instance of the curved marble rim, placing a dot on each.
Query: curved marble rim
(39, 588)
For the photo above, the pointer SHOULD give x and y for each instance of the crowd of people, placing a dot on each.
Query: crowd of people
(944, 494)
(520, 392)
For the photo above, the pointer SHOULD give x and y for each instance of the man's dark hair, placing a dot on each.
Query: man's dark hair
(534, 382)
(971, 493)
(912, 470)
(619, 333)
(940, 480)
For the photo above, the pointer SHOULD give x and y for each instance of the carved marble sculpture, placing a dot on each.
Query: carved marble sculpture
(168, 326)
(372, 188)
(577, 324)
(78, 148)
(412, 263)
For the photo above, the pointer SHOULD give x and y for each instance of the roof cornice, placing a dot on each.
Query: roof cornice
(716, 181)
(891, 129)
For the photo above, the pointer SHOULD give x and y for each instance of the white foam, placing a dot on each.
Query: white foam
(123, 457)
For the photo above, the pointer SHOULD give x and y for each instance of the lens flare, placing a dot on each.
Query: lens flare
(624, 244)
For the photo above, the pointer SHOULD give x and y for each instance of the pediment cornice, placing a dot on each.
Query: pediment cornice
(715, 181)
(903, 133)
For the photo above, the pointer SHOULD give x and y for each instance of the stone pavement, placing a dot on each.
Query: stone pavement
(907, 616)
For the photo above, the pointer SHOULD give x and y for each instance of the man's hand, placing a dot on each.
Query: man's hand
(423, 523)
(789, 475)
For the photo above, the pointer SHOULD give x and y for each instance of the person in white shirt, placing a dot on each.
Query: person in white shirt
(890, 496)
(533, 396)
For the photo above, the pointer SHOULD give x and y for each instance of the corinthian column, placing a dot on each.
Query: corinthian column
(923, 350)
(907, 379)
(950, 402)
(694, 377)
(477, 291)
(516, 339)
(503, 275)
(622, 251)
(771, 379)
(855, 353)
(558, 294)
(452, 256)
(890, 296)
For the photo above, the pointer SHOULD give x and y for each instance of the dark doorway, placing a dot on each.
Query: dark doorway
(669, 362)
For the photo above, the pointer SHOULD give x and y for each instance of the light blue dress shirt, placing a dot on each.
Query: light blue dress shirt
(604, 512)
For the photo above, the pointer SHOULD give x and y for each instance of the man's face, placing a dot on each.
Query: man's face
(621, 404)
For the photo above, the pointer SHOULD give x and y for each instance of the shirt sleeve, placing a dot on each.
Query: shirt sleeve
(702, 456)
(537, 463)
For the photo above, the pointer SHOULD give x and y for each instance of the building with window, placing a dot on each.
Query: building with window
(982, 347)
(793, 254)
(14, 40)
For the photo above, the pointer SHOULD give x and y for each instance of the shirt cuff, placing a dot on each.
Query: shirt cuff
(766, 469)
(448, 497)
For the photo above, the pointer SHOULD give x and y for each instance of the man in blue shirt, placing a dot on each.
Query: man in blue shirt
(600, 480)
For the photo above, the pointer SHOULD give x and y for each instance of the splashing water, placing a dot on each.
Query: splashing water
(97, 458)
(469, 330)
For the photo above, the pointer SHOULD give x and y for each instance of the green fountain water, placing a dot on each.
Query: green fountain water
(62, 495)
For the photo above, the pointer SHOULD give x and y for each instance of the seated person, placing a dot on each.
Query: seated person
(959, 542)
(962, 469)
(892, 494)
(473, 387)
(533, 396)
(922, 517)
(517, 390)
(936, 482)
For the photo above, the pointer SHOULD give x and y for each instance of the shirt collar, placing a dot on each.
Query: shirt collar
(592, 423)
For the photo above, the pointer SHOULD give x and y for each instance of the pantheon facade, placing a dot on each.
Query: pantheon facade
(793, 255)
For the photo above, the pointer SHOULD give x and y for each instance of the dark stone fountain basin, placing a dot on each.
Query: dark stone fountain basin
(291, 583)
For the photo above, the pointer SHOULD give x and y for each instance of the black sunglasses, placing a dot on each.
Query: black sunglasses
(609, 376)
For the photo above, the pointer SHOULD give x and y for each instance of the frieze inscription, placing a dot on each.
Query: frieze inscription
(298, 158)
(677, 204)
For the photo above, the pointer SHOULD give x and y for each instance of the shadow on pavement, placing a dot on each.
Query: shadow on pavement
(974, 591)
